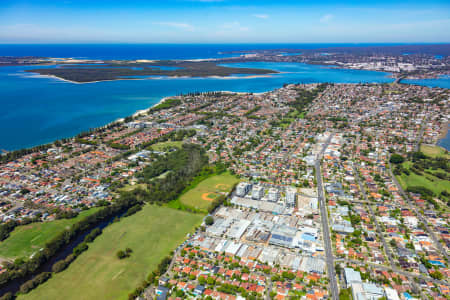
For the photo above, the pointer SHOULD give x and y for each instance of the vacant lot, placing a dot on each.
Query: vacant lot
(207, 190)
(98, 274)
(25, 240)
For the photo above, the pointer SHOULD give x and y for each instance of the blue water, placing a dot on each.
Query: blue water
(150, 51)
(442, 81)
(37, 110)
(445, 142)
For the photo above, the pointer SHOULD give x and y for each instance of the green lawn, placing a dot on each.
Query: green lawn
(167, 145)
(152, 234)
(425, 180)
(130, 187)
(207, 190)
(434, 151)
(26, 239)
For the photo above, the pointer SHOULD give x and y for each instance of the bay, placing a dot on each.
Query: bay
(37, 110)
(441, 81)
(154, 51)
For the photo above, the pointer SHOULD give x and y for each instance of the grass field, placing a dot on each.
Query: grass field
(26, 239)
(98, 274)
(167, 145)
(426, 180)
(207, 190)
(434, 151)
(130, 187)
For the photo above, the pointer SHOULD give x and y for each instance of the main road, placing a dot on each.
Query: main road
(325, 228)
(390, 269)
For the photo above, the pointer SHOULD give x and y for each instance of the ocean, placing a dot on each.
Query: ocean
(37, 110)
(150, 51)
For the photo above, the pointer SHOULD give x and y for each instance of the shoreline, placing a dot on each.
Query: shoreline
(37, 75)
(444, 130)
(143, 111)
(135, 114)
(443, 135)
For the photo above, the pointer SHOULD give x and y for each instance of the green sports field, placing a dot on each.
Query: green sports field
(26, 239)
(152, 234)
(167, 145)
(207, 190)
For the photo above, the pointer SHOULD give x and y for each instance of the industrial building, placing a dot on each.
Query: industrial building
(283, 235)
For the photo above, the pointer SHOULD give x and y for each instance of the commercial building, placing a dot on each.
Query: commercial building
(352, 276)
(291, 196)
(257, 192)
(242, 189)
(273, 195)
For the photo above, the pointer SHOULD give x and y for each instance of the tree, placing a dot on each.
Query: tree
(437, 275)
(209, 220)
(7, 296)
(121, 254)
(396, 159)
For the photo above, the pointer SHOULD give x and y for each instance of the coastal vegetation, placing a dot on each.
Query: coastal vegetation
(168, 103)
(152, 234)
(12, 155)
(123, 70)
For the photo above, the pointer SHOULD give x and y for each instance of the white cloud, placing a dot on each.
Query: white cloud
(183, 26)
(261, 16)
(326, 18)
(234, 26)
(205, 0)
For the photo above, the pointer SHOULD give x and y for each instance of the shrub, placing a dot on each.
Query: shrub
(63, 264)
(80, 249)
(92, 235)
(209, 220)
(33, 283)
(121, 254)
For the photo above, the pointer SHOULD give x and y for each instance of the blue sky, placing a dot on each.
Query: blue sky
(225, 21)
